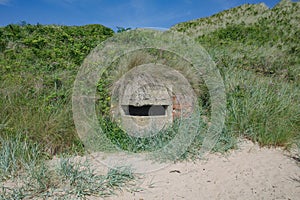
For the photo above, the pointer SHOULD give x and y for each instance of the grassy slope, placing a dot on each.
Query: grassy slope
(38, 65)
(247, 13)
(255, 48)
(257, 51)
(267, 39)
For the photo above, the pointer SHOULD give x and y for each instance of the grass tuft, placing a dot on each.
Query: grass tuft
(17, 153)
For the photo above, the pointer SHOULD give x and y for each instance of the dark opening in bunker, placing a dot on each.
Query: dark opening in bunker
(145, 110)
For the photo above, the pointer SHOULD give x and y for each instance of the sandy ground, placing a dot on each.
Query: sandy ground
(249, 172)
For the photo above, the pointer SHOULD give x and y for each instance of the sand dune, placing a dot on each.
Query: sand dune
(249, 172)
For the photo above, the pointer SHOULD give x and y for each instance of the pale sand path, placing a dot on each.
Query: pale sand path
(249, 172)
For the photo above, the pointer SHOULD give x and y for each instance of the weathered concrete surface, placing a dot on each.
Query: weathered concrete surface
(151, 85)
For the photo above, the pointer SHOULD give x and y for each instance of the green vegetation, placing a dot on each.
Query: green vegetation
(24, 173)
(255, 48)
(132, 144)
(118, 138)
(17, 153)
(260, 62)
(122, 29)
(38, 65)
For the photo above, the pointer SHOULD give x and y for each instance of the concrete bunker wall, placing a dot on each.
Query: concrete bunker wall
(149, 97)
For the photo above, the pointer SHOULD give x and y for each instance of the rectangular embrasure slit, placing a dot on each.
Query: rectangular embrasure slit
(145, 110)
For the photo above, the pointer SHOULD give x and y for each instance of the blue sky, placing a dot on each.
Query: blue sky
(112, 13)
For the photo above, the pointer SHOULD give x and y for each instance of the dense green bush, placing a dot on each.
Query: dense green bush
(38, 65)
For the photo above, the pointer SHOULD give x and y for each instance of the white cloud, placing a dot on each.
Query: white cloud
(4, 2)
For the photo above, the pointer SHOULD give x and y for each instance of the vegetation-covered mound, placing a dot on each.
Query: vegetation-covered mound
(258, 53)
(266, 40)
(256, 49)
(38, 65)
